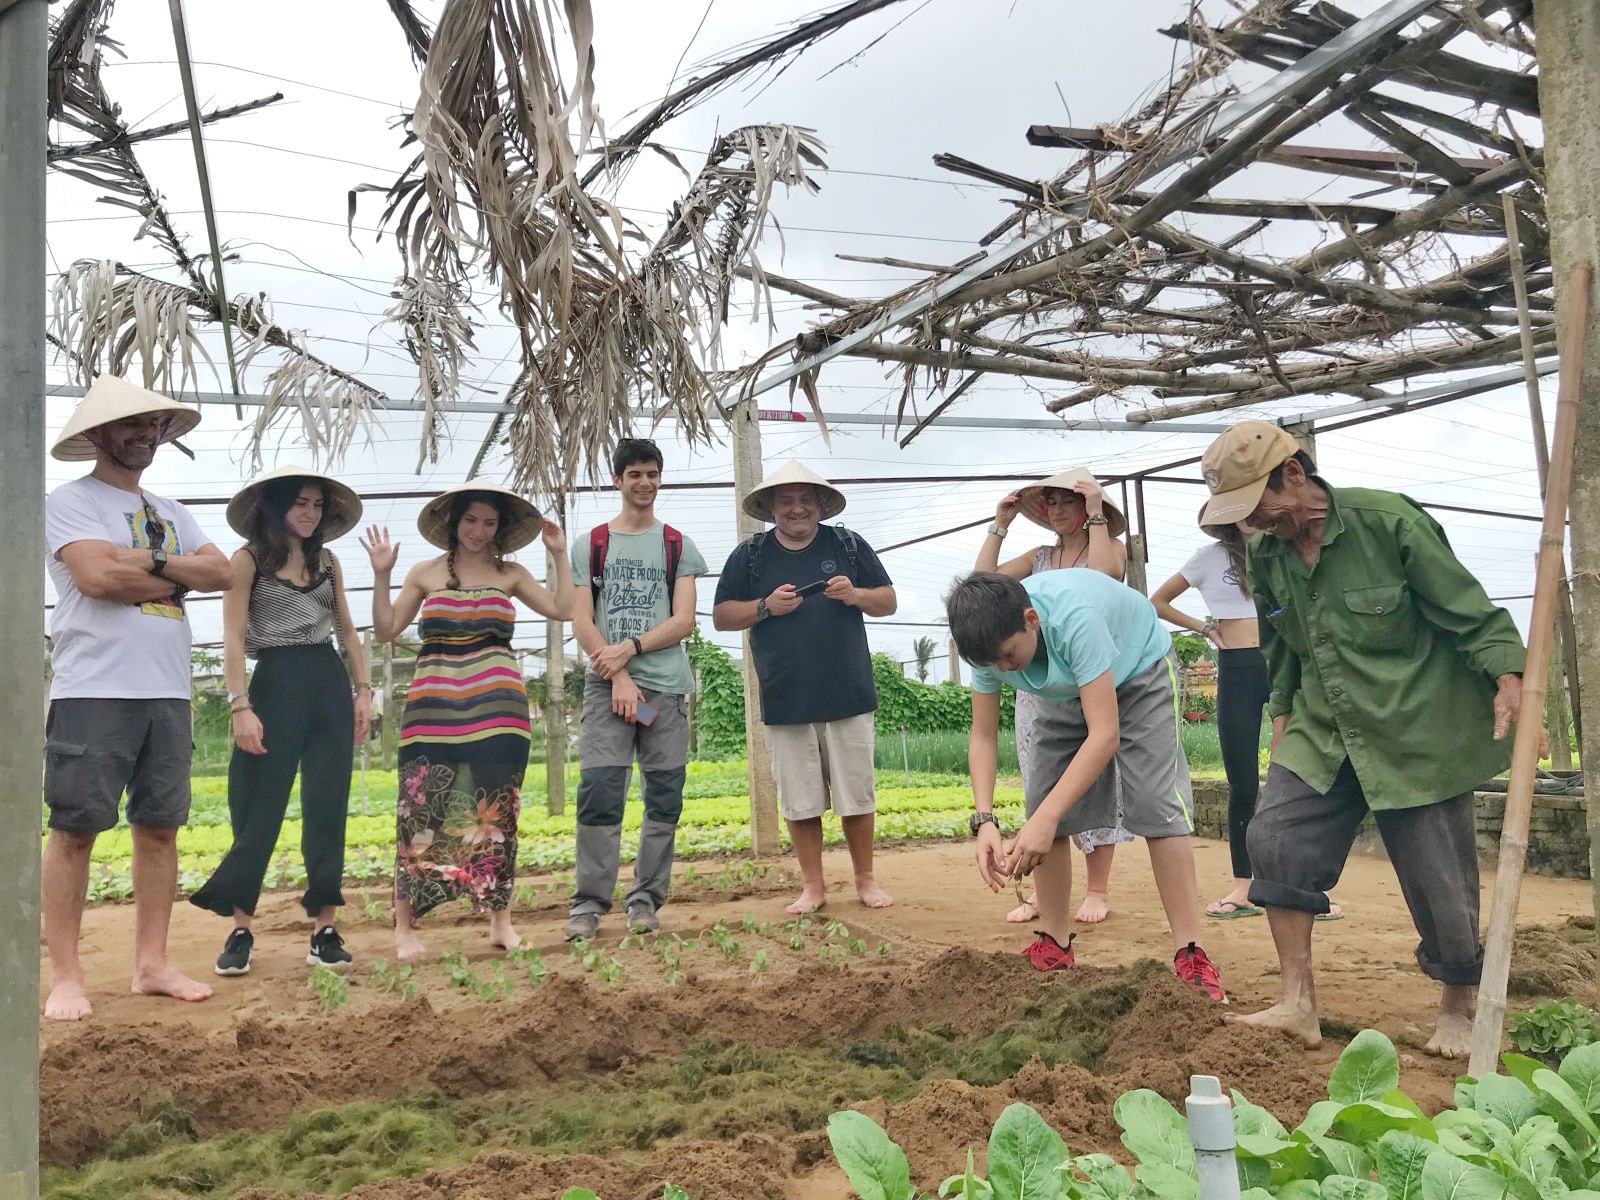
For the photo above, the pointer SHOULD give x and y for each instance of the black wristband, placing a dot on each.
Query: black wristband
(638, 646)
(979, 819)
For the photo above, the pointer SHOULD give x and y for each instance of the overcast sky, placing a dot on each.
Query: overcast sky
(948, 75)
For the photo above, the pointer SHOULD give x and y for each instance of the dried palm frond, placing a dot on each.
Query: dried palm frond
(438, 335)
(652, 336)
(331, 405)
(494, 188)
(109, 318)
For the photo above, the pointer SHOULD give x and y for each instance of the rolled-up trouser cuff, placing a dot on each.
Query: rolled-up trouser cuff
(1455, 974)
(1266, 894)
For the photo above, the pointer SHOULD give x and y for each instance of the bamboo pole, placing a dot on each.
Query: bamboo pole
(22, 704)
(764, 837)
(1490, 1020)
(555, 699)
(1566, 642)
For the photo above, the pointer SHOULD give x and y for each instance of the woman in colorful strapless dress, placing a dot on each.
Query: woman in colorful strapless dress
(464, 734)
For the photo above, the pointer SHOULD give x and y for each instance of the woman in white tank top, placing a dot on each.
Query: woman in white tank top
(1217, 571)
(1071, 505)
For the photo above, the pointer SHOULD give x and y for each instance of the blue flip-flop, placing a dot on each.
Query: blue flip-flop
(1329, 916)
(1239, 910)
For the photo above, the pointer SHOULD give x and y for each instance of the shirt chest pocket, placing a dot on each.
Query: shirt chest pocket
(1378, 617)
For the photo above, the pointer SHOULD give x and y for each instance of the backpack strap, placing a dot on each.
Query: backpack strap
(672, 551)
(851, 549)
(599, 543)
(753, 561)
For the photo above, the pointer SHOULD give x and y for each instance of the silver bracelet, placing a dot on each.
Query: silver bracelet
(1000, 530)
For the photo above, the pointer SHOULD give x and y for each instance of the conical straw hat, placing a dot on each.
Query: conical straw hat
(341, 507)
(1030, 500)
(524, 527)
(111, 398)
(758, 503)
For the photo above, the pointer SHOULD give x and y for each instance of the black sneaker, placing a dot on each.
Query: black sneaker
(327, 949)
(235, 956)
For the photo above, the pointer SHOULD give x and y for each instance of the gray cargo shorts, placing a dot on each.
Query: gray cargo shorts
(1149, 772)
(97, 749)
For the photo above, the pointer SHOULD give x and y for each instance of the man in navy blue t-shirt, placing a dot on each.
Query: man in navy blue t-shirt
(802, 589)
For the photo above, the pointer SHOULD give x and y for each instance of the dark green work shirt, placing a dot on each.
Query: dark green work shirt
(1385, 652)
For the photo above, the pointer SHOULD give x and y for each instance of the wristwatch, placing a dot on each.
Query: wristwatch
(762, 612)
(978, 820)
(999, 530)
(158, 561)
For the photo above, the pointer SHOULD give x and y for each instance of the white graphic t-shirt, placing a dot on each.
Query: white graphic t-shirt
(110, 649)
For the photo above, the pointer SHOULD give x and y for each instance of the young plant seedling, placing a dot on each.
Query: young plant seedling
(531, 962)
(457, 968)
(758, 964)
(329, 987)
(372, 907)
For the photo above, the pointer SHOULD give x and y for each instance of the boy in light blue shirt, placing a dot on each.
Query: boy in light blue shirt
(1094, 651)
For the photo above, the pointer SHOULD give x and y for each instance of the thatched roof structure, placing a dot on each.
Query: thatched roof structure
(1100, 282)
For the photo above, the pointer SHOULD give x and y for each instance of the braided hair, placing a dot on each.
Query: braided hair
(458, 509)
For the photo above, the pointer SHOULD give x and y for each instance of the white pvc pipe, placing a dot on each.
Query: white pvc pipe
(1211, 1131)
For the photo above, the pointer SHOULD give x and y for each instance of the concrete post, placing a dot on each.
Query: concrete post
(747, 472)
(955, 662)
(22, 704)
(1569, 100)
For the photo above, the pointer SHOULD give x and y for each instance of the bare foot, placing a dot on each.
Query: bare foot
(1453, 1033)
(169, 981)
(67, 1002)
(1299, 1023)
(811, 899)
(1023, 913)
(1096, 908)
(408, 947)
(501, 933)
(1452, 1037)
(871, 894)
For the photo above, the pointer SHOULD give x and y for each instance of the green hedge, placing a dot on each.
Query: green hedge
(902, 701)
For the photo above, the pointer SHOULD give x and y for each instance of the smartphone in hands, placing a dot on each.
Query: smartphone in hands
(811, 589)
(644, 713)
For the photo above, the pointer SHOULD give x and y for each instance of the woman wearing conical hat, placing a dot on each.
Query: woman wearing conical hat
(1085, 526)
(304, 712)
(464, 734)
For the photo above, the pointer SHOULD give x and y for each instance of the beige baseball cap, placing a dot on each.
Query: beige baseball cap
(1236, 465)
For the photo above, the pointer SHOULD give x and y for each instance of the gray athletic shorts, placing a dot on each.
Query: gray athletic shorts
(606, 740)
(97, 749)
(1149, 767)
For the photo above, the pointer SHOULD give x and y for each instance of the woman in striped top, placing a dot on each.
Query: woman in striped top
(464, 735)
(285, 608)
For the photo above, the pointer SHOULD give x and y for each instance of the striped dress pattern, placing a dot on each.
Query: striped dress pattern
(463, 753)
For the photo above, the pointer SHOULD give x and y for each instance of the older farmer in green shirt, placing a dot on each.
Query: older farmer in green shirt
(1394, 681)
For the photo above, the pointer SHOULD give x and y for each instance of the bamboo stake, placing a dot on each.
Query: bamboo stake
(1490, 1020)
(1566, 643)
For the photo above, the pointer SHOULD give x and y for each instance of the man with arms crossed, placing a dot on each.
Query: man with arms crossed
(1394, 681)
(121, 560)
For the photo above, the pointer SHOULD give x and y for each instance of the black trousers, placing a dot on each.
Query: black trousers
(1301, 837)
(302, 696)
(1242, 690)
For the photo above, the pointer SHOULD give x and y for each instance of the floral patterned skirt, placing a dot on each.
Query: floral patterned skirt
(1090, 839)
(456, 833)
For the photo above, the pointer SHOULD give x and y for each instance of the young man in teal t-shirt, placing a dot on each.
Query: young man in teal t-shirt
(1095, 654)
(635, 603)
